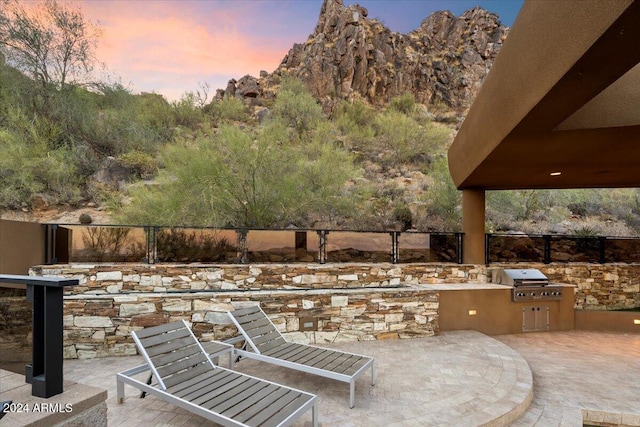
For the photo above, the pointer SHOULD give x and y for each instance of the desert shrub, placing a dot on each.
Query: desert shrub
(108, 244)
(296, 108)
(183, 246)
(405, 104)
(402, 214)
(585, 231)
(353, 113)
(143, 164)
(229, 109)
(519, 205)
(247, 178)
(186, 111)
(354, 119)
(324, 169)
(85, 218)
(29, 167)
(399, 138)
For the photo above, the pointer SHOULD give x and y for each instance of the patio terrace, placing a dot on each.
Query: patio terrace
(460, 378)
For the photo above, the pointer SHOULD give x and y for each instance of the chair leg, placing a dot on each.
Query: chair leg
(6, 404)
(120, 391)
(314, 414)
(352, 392)
(373, 375)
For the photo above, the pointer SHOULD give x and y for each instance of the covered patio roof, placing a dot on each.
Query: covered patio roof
(560, 107)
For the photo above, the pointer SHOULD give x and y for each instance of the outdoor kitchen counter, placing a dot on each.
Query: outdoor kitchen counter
(490, 308)
(456, 286)
(468, 286)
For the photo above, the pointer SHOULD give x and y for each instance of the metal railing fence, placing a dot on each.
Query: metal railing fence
(152, 244)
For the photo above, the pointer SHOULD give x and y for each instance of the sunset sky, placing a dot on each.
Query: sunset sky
(171, 47)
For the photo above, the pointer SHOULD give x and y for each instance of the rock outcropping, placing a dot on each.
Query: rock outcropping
(441, 63)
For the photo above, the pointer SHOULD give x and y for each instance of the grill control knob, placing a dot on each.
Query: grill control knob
(544, 294)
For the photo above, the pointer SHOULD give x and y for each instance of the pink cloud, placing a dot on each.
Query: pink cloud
(154, 45)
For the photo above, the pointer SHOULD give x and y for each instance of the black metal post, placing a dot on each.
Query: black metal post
(547, 248)
(460, 239)
(242, 252)
(322, 246)
(152, 246)
(50, 244)
(45, 371)
(395, 255)
(602, 240)
(487, 248)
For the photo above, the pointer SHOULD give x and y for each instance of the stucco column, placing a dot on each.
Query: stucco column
(473, 226)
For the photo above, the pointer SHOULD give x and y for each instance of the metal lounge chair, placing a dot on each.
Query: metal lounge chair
(268, 345)
(186, 377)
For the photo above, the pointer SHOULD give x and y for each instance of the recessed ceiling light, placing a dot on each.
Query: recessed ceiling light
(555, 173)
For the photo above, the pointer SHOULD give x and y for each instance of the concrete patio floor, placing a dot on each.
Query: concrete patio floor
(460, 378)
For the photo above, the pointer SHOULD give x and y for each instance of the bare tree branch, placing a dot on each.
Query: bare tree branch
(49, 41)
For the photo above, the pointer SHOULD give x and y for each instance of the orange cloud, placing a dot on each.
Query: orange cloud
(164, 43)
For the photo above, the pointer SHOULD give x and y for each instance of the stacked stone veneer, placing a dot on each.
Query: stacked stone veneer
(349, 301)
(100, 325)
(599, 286)
(135, 278)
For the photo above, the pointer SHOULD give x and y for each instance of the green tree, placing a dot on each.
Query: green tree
(244, 178)
(49, 41)
(324, 170)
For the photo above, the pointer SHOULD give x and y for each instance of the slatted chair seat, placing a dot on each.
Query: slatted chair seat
(267, 344)
(186, 377)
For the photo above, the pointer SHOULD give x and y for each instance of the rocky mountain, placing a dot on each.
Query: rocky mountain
(442, 63)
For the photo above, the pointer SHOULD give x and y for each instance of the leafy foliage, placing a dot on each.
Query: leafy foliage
(229, 109)
(242, 178)
(296, 108)
(144, 165)
(405, 104)
(445, 199)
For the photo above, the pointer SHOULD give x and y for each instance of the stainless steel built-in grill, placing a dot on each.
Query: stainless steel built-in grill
(528, 284)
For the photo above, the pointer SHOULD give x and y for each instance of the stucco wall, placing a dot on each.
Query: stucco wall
(21, 246)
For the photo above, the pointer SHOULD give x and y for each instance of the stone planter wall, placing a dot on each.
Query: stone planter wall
(598, 286)
(96, 279)
(350, 301)
(100, 325)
